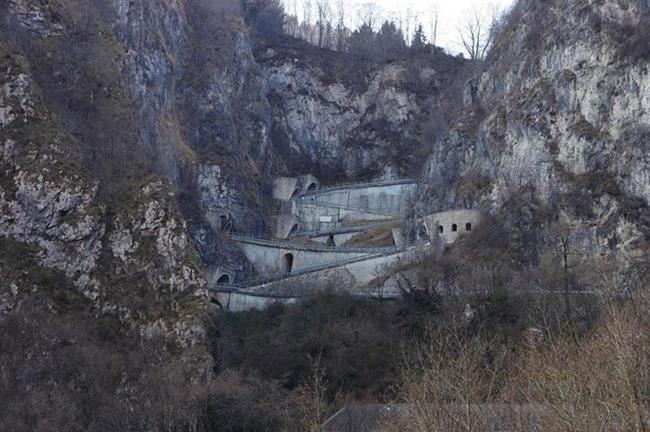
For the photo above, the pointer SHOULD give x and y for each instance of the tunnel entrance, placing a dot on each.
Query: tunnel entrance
(225, 223)
(312, 187)
(224, 279)
(287, 263)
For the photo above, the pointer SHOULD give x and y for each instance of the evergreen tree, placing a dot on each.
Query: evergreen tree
(390, 41)
(362, 41)
(419, 42)
(266, 17)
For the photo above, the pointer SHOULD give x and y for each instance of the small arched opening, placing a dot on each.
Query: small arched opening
(468, 226)
(296, 192)
(312, 187)
(294, 229)
(331, 242)
(225, 223)
(287, 263)
(441, 229)
(454, 228)
(423, 233)
(224, 279)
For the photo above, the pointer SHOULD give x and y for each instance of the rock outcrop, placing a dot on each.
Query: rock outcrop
(559, 118)
(342, 116)
(51, 205)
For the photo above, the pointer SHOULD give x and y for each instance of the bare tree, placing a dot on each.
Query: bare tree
(306, 20)
(406, 23)
(324, 22)
(433, 23)
(476, 30)
(340, 25)
(291, 22)
(368, 14)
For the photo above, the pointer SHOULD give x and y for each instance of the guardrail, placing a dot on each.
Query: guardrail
(361, 185)
(262, 280)
(265, 293)
(342, 230)
(317, 247)
(301, 201)
(282, 276)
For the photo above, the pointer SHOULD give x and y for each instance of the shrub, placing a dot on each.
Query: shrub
(266, 17)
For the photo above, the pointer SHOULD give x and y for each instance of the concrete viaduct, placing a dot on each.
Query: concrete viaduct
(308, 252)
(339, 206)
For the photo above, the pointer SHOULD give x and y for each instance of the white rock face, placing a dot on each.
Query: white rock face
(36, 18)
(569, 117)
(51, 207)
(351, 126)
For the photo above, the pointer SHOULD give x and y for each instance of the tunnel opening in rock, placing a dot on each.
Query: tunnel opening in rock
(287, 263)
(224, 279)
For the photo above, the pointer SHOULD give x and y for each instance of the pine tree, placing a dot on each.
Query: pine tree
(362, 41)
(419, 42)
(390, 40)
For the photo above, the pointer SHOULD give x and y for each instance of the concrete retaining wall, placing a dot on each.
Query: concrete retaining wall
(285, 226)
(241, 302)
(351, 277)
(270, 260)
(285, 188)
(392, 200)
(339, 239)
(325, 217)
(361, 277)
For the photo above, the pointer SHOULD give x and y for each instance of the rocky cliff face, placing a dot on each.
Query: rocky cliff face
(560, 118)
(92, 161)
(339, 116)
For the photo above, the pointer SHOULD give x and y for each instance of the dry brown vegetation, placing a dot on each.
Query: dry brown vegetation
(554, 382)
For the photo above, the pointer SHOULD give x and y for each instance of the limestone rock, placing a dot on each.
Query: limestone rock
(564, 119)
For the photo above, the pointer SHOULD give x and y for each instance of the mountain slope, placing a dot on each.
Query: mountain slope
(560, 119)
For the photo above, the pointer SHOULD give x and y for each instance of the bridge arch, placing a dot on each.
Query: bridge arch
(287, 263)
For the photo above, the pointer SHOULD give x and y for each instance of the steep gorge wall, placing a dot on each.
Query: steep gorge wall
(559, 119)
(89, 220)
(344, 117)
